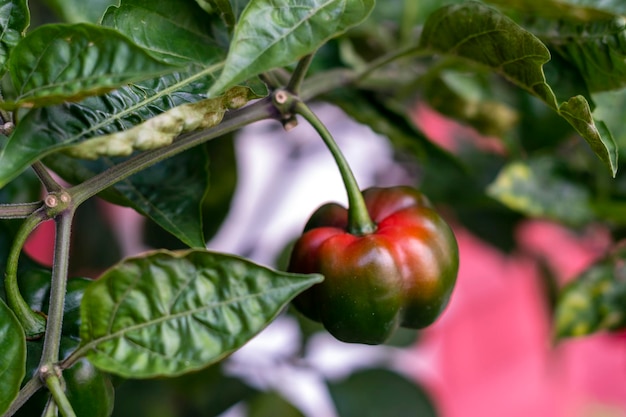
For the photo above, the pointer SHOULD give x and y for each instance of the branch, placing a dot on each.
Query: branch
(18, 211)
(46, 179)
(233, 120)
(299, 73)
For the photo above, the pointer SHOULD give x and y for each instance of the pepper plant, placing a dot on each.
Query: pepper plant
(130, 100)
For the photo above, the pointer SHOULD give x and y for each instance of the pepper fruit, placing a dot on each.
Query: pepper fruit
(400, 274)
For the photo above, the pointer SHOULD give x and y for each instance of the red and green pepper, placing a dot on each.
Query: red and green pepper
(389, 260)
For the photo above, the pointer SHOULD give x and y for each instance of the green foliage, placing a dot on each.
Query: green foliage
(595, 300)
(57, 63)
(275, 33)
(536, 188)
(491, 39)
(76, 11)
(13, 353)
(168, 313)
(14, 19)
(192, 35)
(376, 392)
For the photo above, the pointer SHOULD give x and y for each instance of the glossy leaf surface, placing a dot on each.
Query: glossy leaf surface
(57, 63)
(12, 356)
(14, 19)
(275, 33)
(76, 11)
(154, 192)
(179, 32)
(48, 129)
(168, 313)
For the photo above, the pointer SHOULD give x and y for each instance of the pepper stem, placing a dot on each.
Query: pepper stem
(359, 221)
(34, 323)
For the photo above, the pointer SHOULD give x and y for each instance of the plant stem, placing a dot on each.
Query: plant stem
(359, 220)
(51, 409)
(34, 323)
(46, 179)
(50, 353)
(53, 383)
(295, 82)
(411, 11)
(27, 391)
(18, 211)
(276, 78)
(332, 80)
(233, 120)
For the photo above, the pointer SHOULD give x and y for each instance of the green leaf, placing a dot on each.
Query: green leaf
(178, 32)
(156, 192)
(577, 112)
(596, 50)
(161, 130)
(576, 10)
(12, 356)
(34, 283)
(483, 35)
(616, 7)
(471, 100)
(221, 7)
(380, 392)
(595, 300)
(610, 107)
(76, 11)
(14, 19)
(276, 33)
(168, 313)
(57, 63)
(26, 188)
(89, 390)
(220, 180)
(43, 131)
(222, 183)
(206, 393)
(536, 188)
(271, 404)
(48, 129)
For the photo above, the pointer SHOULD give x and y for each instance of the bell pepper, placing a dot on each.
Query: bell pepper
(389, 259)
(401, 274)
